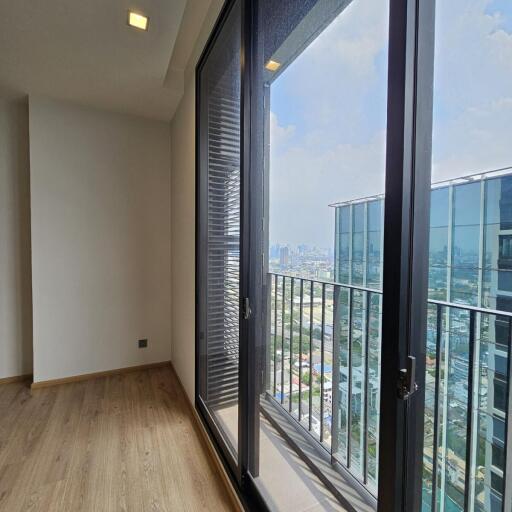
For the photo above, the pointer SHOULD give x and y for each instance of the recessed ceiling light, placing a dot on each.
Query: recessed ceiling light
(137, 20)
(272, 65)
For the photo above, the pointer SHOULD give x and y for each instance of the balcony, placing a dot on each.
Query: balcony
(323, 376)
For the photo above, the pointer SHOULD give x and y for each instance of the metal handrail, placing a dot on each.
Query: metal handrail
(288, 332)
(330, 283)
(467, 307)
(476, 309)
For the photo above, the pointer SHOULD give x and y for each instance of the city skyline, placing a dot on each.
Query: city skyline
(486, 173)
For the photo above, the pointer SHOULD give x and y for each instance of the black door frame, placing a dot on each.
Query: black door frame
(406, 236)
(408, 165)
(242, 470)
(232, 465)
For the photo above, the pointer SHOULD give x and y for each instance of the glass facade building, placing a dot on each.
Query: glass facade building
(470, 264)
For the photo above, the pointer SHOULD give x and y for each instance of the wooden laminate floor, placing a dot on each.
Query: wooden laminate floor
(120, 443)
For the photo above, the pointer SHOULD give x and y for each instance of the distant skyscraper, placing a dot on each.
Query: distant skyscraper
(274, 251)
(284, 256)
(470, 263)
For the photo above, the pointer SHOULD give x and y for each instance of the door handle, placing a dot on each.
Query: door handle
(246, 308)
(407, 385)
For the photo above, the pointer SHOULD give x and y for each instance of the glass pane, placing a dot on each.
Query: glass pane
(325, 82)
(470, 258)
(220, 80)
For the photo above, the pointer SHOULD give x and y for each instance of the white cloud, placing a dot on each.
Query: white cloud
(305, 179)
(331, 85)
(473, 89)
(352, 42)
(329, 111)
(334, 99)
(279, 135)
(478, 139)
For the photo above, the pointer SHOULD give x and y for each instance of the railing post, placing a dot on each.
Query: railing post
(283, 300)
(301, 309)
(290, 391)
(366, 387)
(336, 368)
(275, 336)
(349, 383)
(469, 431)
(435, 441)
(311, 356)
(322, 361)
(507, 477)
(266, 365)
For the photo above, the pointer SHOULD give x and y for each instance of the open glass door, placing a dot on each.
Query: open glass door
(325, 80)
(343, 137)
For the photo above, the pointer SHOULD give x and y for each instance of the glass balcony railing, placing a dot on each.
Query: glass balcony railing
(323, 370)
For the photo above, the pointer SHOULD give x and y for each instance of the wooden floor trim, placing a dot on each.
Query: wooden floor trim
(87, 376)
(235, 500)
(15, 378)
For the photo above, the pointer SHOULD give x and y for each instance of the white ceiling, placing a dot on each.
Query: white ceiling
(84, 51)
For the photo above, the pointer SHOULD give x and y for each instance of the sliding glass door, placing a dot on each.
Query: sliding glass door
(218, 233)
(314, 125)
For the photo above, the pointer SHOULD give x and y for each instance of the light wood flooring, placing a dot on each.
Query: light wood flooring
(120, 443)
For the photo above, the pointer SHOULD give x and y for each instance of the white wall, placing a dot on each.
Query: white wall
(183, 239)
(15, 285)
(100, 211)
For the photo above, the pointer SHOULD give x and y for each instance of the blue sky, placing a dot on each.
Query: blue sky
(328, 111)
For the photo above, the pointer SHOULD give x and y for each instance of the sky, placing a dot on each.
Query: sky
(328, 111)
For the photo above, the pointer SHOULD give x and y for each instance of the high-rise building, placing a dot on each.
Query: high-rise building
(303, 249)
(274, 251)
(284, 256)
(470, 263)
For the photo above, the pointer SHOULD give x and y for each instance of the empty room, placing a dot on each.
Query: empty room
(255, 255)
